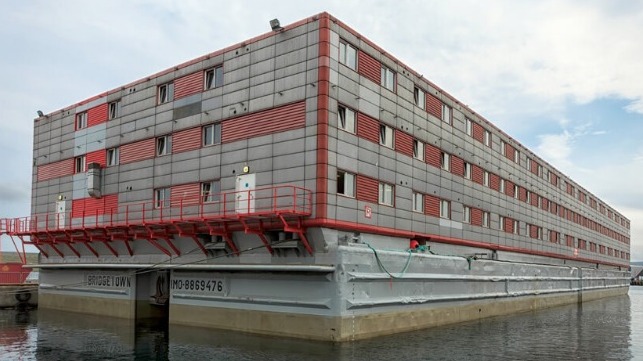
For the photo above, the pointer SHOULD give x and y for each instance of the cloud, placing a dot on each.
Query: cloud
(556, 148)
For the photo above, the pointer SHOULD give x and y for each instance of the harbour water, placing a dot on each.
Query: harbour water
(608, 329)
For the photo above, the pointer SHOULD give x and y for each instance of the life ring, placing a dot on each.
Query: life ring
(23, 296)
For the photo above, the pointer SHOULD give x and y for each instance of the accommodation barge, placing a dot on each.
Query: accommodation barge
(305, 183)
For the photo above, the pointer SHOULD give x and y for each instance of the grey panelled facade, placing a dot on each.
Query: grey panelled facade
(257, 188)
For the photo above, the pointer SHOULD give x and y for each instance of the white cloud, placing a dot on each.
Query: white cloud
(509, 60)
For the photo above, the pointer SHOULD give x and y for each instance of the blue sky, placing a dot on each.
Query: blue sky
(565, 78)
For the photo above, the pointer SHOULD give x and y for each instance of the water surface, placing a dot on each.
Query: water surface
(608, 329)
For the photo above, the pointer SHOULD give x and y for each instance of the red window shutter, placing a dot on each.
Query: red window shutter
(534, 199)
(368, 128)
(477, 174)
(97, 114)
(534, 166)
(478, 132)
(367, 189)
(403, 143)
(188, 85)
(432, 155)
(141, 150)
(457, 166)
(509, 188)
(276, 120)
(476, 217)
(434, 106)
(97, 156)
(509, 225)
(369, 67)
(185, 140)
(185, 194)
(522, 195)
(55, 169)
(432, 205)
(494, 181)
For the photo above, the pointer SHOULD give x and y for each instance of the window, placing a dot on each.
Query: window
(487, 138)
(346, 119)
(114, 110)
(485, 219)
(466, 214)
(444, 161)
(112, 156)
(418, 202)
(386, 194)
(210, 191)
(502, 147)
(214, 77)
(79, 164)
(388, 78)
(469, 128)
(485, 178)
(81, 120)
(502, 185)
(211, 134)
(166, 93)
(163, 145)
(446, 113)
(516, 226)
(418, 149)
(445, 209)
(528, 197)
(161, 197)
(467, 170)
(516, 191)
(347, 55)
(529, 164)
(345, 184)
(516, 155)
(419, 97)
(386, 136)
(501, 220)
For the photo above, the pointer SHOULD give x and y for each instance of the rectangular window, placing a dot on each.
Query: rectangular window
(345, 183)
(502, 185)
(528, 197)
(516, 226)
(210, 191)
(165, 93)
(211, 134)
(419, 97)
(418, 149)
(387, 78)
(79, 164)
(112, 156)
(214, 77)
(446, 113)
(485, 219)
(114, 110)
(467, 170)
(81, 120)
(469, 127)
(516, 191)
(418, 202)
(503, 147)
(163, 145)
(161, 197)
(386, 194)
(386, 136)
(516, 156)
(347, 55)
(487, 138)
(528, 164)
(445, 209)
(346, 117)
(466, 214)
(485, 178)
(445, 161)
(501, 220)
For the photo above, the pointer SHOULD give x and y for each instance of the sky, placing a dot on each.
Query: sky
(563, 77)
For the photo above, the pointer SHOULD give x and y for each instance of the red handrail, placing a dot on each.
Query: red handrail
(262, 201)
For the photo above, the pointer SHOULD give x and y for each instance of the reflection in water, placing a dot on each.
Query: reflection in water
(598, 330)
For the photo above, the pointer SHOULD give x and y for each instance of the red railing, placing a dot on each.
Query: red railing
(259, 202)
